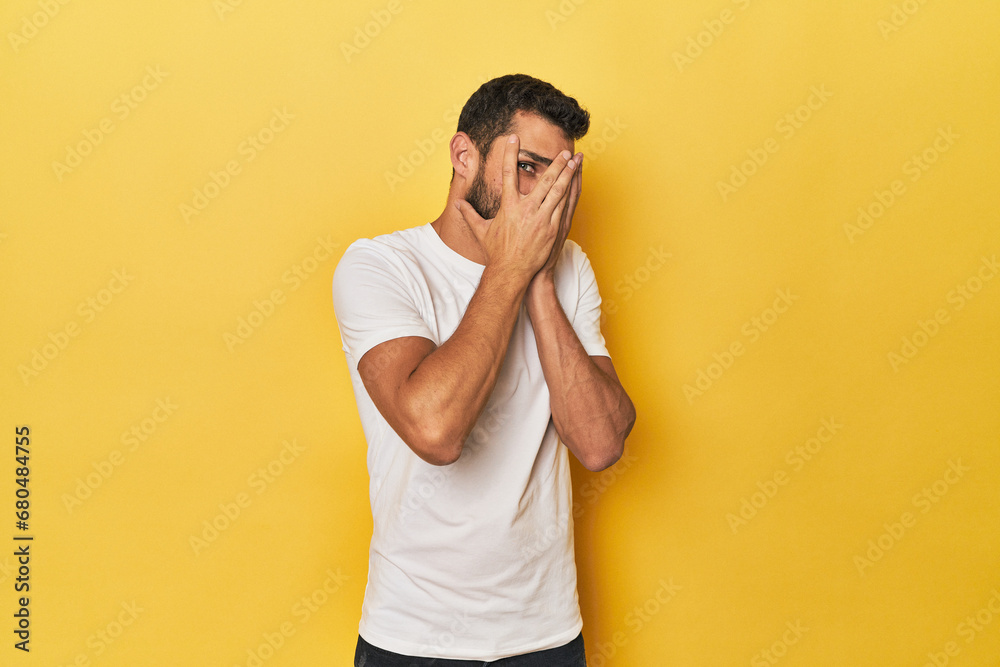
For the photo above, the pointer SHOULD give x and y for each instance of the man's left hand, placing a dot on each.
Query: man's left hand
(547, 272)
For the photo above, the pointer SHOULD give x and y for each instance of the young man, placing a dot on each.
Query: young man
(475, 349)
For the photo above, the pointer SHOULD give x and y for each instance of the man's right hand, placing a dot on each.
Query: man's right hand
(520, 238)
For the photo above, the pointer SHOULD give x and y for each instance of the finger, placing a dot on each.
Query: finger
(573, 189)
(560, 218)
(563, 211)
(572, 197)
(550, 177)
(509, 191)
(559, 189)
(577, 185)
(579, 174)
(567, 214)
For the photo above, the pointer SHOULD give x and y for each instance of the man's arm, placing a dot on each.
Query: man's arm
(591, 411)
(431, 396)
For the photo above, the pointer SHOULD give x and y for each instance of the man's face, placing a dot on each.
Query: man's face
(541, 142)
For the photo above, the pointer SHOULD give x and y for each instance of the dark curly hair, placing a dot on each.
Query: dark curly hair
(489, 113)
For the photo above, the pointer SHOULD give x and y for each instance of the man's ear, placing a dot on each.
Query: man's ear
(464, 156)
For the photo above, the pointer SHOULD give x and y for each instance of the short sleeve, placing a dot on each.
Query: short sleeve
(372, 301)
(587, 319)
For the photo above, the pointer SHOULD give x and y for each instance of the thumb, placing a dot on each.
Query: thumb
(472, 219)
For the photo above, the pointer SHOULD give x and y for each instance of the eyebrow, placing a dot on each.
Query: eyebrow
(536, 157)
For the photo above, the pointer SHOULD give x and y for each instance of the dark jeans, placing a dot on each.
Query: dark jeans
(568, 655)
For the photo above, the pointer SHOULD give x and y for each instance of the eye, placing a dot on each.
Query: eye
(527, 166)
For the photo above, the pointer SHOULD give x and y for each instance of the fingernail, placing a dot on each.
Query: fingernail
(571, 164)
(512, 139)
(566, 155)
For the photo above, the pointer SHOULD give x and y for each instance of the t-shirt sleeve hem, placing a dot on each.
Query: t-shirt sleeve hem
(366, 345)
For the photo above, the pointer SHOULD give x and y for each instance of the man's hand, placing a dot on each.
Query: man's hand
(547, 272)
(433, 395)
(520, 238)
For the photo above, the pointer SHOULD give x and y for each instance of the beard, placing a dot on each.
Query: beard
(485, 201)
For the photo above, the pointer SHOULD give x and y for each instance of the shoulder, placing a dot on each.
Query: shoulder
(392, 245)
(572, 250)
(384, 252)
(574, 260)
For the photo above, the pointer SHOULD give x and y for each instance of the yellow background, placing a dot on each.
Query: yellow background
(667, 574)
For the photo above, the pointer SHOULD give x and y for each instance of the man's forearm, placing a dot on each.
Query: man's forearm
(450, 387)
(442, 397)
(591, 411)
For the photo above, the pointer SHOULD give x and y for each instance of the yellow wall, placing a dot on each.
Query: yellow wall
(815, 470)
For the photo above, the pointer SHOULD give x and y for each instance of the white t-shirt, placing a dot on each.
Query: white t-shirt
(473, 560)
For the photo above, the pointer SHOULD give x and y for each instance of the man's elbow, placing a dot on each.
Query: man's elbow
(438, 454)
(432, 441)
(598, 459)
(611, 447)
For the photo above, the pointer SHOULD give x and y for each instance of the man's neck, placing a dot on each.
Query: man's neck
(455, 232)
